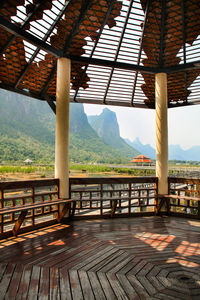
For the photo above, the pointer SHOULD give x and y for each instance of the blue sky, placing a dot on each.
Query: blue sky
(183, 123)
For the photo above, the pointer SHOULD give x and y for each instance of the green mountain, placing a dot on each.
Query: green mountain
(85, 145)
(27, 130)
(107, 128)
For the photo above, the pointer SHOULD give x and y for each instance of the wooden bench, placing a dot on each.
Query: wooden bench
(164, 199)
(24, 210)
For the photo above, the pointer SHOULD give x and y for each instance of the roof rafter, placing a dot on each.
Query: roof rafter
(86, 5)
(96, 42)
(118, 49)
(140, 51)
(28, 20)
(184, 41)
(24, 71)
(163, 17)
(16, 30)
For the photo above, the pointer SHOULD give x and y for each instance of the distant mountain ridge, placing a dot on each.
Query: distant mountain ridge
(107, 128)
(146, 150)
(175, 151)
(86, 144)
(27, 130)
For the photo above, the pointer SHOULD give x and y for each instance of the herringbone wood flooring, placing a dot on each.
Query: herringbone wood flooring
(133, 258)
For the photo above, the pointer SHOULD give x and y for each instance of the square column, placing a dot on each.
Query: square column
(161, 100)
(62, 125)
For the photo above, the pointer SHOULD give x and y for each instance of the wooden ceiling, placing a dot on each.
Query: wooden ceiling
(116, 48)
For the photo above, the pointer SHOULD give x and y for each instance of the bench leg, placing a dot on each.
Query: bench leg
(73, 209)
(160, 205)
(65, 210)
(114, 206)
(19, 222)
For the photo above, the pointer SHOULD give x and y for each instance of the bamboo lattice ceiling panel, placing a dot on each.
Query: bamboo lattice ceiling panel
(116, 47)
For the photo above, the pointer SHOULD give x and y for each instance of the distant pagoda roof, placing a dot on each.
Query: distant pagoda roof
(141, 159)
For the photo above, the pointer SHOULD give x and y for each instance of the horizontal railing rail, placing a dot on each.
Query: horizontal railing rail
(109, 197)
(39, 203)
(184, 197)
(36, 196)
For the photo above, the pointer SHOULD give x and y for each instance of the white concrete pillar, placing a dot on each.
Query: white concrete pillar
(62, 125)
(161, 100)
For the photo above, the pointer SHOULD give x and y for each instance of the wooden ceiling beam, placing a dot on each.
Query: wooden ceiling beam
(17, 31)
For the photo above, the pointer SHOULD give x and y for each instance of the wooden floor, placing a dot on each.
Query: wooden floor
(133, 258)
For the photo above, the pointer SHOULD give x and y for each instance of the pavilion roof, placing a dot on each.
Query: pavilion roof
(141, 159)
(116, 48)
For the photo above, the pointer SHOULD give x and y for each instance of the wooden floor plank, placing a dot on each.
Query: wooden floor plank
(61, 259)
(129, 266)
(106, 286)
(4, 284)
(85, 284)
(143, 258)
(147, 284)
(114, 263)
(130, 291)
(24, 283)
(140, 290)
(75, 285)
(54, 288)
(14, 283)
(2, 269)
(116, 286)
(34, 283)
(65, 289)
(99, 259)
(44, 284)
(108, 260)
(96, 286)
(90, 261)
(125, 263)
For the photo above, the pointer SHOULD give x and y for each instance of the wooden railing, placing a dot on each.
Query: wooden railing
(115, 196)
(184, 197)
(93, 197)
(14, 195)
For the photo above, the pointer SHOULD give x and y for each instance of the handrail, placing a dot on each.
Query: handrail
(114, 196)
(184, 197)
(28, 202)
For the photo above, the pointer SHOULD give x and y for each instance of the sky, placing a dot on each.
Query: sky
(183, 124)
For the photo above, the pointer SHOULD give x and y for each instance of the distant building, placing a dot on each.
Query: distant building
(142, 160)
(28, 161)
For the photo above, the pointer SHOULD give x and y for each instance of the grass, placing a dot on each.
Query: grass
(46, 171)
(103, 169)
(25, 169)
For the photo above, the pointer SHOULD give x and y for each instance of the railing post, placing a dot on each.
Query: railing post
(161, 132)
(62, 125)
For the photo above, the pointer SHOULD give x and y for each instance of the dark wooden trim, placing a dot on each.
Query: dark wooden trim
(162, 33)
(52, 105)
(183, 180)
(33, 206)
(108, 216)
(114, 180)
(26, 21)
(112, 64)
(28, 183)
(17, 31)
